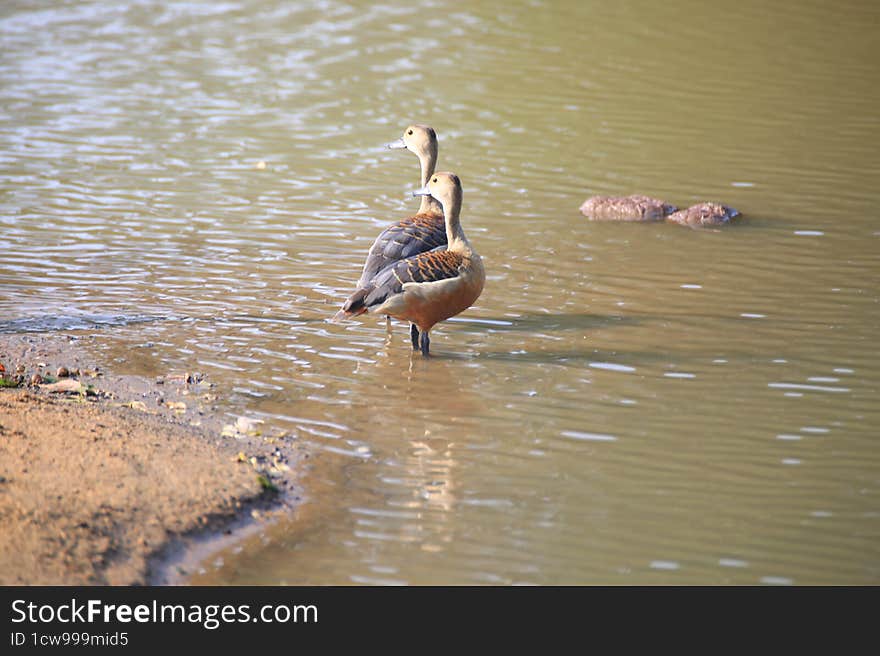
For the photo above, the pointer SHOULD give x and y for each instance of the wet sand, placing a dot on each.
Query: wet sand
(99, 485)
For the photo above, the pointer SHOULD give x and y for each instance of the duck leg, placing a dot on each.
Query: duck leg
(414, 334)
(425, 342)
(387, 323)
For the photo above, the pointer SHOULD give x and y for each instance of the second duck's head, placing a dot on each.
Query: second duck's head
(444, 187)
(420, 139)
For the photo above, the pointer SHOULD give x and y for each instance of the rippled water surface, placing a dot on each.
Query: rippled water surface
(199, 182)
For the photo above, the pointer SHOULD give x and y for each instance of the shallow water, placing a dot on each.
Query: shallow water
(625, 403)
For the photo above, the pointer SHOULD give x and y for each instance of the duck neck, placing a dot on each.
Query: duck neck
(454, 234)
(427, 162)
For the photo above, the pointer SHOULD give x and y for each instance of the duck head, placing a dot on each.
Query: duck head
(420, 139)
(444, 187)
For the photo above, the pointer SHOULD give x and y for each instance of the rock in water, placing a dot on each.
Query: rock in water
(626, 208)
(704, 215)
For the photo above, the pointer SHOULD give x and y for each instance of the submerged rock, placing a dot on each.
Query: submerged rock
(704, 215)
(626, 208)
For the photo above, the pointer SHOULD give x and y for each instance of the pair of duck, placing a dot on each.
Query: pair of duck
(421, 269)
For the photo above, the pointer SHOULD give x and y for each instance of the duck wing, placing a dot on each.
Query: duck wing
(437, 264)
(404, 239)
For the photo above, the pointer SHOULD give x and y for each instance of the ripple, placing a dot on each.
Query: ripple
(76, 322)
(579, 435)
(813, 388)
(610, 366)
(665, 565)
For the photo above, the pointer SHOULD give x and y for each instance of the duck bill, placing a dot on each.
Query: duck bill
(424, 191)
(398, 143)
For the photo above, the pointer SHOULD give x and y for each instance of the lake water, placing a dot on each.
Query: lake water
(625, 404)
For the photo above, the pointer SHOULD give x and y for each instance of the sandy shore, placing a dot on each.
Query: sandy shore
(100, 479)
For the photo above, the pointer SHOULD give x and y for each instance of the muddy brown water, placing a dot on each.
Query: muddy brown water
(625, 404)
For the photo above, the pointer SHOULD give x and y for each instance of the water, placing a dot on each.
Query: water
(624, 404)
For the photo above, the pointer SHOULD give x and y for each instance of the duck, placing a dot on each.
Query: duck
(429, 287)
(626, 208)
(704, 215)
(423, 231)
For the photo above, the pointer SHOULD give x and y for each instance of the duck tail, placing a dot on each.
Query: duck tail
(353, 306)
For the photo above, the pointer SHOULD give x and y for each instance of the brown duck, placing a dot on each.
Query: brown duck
(422, 231)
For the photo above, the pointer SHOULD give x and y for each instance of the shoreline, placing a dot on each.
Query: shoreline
(121, 480)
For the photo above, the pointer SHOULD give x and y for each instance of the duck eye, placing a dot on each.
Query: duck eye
(434, 180)
(409, 131)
